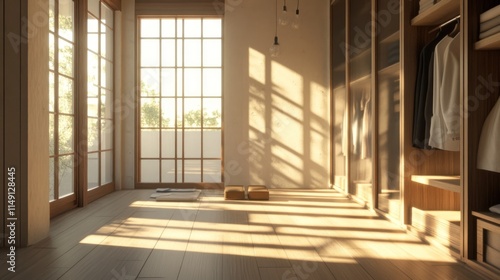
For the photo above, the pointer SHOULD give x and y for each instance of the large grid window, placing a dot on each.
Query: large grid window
(61, 99)
(99, 94)
(180, 97)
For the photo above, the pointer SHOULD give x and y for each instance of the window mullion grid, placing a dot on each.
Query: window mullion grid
(56, 99)
(99, 96)
(176, 81)
(161, 99)
(202, 96)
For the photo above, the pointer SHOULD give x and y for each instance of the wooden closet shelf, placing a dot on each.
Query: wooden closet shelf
(489, 43)
(450, 183)
(391, 70)
(437, 14)
(488, 216)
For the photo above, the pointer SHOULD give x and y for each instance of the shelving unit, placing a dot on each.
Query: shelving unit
(487, 216)
(438, 13)
(489, 43)
(450, 183)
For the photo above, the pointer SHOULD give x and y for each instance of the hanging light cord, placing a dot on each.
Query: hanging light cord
(297, 10)
(284, 5)
(276, 20)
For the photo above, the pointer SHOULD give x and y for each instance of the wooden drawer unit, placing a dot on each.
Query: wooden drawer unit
(488, 244)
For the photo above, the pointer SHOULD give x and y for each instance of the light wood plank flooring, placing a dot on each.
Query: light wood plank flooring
(298, 234)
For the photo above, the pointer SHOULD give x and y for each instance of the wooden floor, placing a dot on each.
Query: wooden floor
(298, 234)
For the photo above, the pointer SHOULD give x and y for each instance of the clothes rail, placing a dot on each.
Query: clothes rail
(445, 23)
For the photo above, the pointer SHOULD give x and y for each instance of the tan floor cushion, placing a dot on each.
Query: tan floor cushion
(258, 192)
(234, 192)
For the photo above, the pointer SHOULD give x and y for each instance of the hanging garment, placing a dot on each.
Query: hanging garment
(488, 157)
(445, 122)
(421, 85)
(429, 103)
(366, 130)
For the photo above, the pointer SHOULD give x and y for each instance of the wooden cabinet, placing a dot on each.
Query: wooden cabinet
(441, 195)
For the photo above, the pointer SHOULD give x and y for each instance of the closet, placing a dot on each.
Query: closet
(442, 195)
(482, 187)
(434, 188)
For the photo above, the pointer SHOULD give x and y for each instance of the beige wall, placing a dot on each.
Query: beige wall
(38, 123)
(276, 111)
(276, 122)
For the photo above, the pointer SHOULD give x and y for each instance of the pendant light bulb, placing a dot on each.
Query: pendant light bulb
(283, 19)
(296, 18)
(275, 48)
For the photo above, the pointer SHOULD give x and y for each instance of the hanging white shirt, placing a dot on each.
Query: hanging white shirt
(445, 122)
(488, 157)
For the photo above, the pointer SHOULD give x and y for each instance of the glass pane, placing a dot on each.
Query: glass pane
(106, 167)
(51, 134)
(107, 104)
(65, 129)
(51, 92)
(150, 143)
(212, 53)
(179, 28)
(180, 118)
(212, 28)
(106, 134)
(192, 112)
(94, 7)
(192, 28)
(179, 145)
(93, 134)
(150, 171)
(212, 82)
(340, 146)
(150, 28)
(192, 171)
(212, 142)
(66, 19)
(52, 15)
(192, 52)
(104, 30)
(168, 28)
(212, 112)
(212, 171)
(168, 171)
(106, 15)
(179, 53)
(51, 179)
(150, 52)
(66, 175)
(361, 152)
(192, 143)
(108, 43)
(150, 112)
(150, 82)
(51, 52)
(168, 82)
(168, 112)
(168, 143)
(168, 53)
(92, 170)
(92, 107)
(92, 74)
(192, 82)
(65, 95)
(180, 88)
(180, 171)
(92, 33)
(106, 74)
(65, 58)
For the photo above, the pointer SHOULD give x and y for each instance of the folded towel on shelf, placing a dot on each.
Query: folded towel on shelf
(489, 32)
(487, 25)
(425, 7)
(490, 14)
